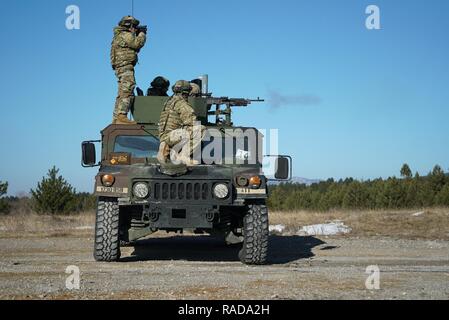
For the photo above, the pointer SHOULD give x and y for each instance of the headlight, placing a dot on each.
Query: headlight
(107, 180)
(141, 190)
(242, 181)
(255, 182)
(221, 191)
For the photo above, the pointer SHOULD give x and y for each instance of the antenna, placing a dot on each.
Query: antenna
(132, 8)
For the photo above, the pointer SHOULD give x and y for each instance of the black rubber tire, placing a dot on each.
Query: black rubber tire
(107, 243)
(255, 234)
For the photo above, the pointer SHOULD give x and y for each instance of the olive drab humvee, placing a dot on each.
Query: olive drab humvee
(136, 198)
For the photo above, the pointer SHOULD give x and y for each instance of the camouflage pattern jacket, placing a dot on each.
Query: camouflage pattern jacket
(125, 46)
(177, 113)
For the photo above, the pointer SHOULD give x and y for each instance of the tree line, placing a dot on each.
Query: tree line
(405, 192)
(54, 195)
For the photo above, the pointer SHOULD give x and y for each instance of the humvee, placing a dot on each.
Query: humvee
(225, 198)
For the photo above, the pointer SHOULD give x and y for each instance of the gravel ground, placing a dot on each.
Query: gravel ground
(198, 267)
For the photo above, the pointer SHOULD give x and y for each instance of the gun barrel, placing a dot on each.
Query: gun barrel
(233, 102)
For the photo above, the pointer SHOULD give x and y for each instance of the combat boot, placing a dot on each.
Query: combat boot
(187, 161)
(123, 119)
(163, 153)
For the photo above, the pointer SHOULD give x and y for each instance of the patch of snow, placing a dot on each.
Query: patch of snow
(84, 228)
(278, 228)
(325, 229)
(418, 214)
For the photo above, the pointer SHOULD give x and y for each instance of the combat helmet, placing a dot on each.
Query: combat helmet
(182, 86)
(129, 21)
(196, 90)
(160, 82)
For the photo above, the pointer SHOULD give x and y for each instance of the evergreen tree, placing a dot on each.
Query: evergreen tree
(54, 194)
(4, 205)
(442, 198)
(406, 172)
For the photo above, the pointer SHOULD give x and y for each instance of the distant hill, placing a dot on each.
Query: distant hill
(298, 180)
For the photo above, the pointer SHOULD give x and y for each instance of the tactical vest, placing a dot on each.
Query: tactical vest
(121, 55)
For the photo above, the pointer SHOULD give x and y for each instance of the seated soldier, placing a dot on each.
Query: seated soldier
(178, 130)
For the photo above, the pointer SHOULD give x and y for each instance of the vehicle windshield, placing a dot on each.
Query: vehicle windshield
(137, 146)
(233, 148)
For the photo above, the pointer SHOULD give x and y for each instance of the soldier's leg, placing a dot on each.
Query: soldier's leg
(117, 99)
(125, 96)
(163, 153)
(197, 136)
(191, 151)
(177, 140)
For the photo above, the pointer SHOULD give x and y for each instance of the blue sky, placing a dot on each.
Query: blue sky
(383, 94)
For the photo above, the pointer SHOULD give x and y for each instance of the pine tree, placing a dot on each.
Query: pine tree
(54, 194)
(406, 172)
(4, 205)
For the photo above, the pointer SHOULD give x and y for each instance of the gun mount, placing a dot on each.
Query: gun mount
(147, 110)
(219, 111)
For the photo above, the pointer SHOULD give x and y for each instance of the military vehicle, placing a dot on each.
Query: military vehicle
(136, 197)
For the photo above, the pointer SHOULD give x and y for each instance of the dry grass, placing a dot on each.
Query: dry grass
(34, 223)
(432, 224)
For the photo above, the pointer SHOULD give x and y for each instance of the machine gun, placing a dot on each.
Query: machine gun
(227, 111)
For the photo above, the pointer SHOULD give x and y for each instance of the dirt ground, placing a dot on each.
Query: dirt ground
(200, 267)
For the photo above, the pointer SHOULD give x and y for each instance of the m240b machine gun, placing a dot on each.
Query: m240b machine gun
(219, 111)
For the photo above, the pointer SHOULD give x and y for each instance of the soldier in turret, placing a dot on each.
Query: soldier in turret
(127, 42)
(159, 87)
(196, 90)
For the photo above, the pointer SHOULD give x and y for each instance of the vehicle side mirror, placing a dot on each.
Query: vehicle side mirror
(282, 171)
(89, 158)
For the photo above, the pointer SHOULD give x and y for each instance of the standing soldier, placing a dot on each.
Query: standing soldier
(127, 42)
(176, 126)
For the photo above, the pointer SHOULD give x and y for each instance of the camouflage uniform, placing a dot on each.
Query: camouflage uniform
(124, 49)
(176, 127)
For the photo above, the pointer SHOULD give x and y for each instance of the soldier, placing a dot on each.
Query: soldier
(125, 46)
(176, 126)
(196, 90)
(159, 87)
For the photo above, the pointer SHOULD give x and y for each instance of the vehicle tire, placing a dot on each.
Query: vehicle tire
(255, 235)
(107, 243)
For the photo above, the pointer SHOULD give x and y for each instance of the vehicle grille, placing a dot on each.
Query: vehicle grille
(182, 190)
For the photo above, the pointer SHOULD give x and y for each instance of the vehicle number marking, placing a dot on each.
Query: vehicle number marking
(112, 190)
(250, 191)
